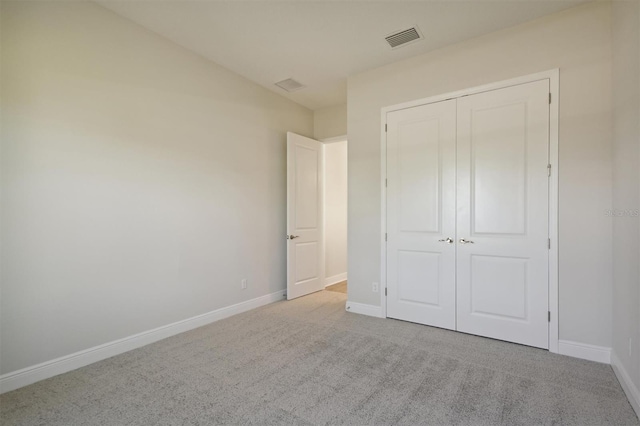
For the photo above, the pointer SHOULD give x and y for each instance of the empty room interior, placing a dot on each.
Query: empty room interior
(320, 212)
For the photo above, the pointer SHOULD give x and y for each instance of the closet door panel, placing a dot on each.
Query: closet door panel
(502, 214)
(421, 214)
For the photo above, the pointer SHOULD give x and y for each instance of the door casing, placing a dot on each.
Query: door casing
(554, 89)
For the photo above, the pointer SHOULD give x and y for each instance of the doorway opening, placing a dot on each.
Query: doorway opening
(335, 214)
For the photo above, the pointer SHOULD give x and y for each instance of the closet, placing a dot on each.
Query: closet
(467, 214)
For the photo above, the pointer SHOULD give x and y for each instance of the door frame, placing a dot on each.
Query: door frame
(554, 89)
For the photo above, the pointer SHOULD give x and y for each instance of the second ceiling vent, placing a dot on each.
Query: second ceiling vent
(290, 85)
(404, 37)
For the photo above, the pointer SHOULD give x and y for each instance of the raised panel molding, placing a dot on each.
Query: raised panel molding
(420, 200)
(306, 189)
(417, 269)
(506, 276)
(493, 212)
(307, 268)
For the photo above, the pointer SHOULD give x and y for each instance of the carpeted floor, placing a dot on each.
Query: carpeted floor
(340, 287)
(307, 362)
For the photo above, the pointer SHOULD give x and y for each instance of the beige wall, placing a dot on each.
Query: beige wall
(578, 41)
(335, 203)
(140, 182)
(626, 185)
(330, 122)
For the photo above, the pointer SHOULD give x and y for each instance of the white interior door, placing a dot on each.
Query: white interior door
(421, 173)
(502, 214)
(305, 253)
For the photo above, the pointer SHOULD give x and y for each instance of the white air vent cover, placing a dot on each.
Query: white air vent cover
(404, 37)
(290, 85)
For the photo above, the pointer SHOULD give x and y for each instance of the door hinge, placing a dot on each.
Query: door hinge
(548, 316)
(385, 236)
(385, 291)
(385, 183)
(549, 98)
(385, 127)
(549, 243)
(549, 170)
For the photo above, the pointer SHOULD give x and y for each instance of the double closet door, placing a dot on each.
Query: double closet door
(468, 214)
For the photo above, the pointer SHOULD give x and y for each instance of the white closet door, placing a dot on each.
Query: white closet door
(421, 214)
(502, 217)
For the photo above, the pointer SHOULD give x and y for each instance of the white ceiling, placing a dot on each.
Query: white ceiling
(321, 43)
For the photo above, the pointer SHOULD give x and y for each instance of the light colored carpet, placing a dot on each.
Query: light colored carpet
(340, 287)
(308, 362)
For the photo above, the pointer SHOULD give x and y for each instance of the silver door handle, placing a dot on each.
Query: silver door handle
(446, 240)
(291, 237)
(463, 241)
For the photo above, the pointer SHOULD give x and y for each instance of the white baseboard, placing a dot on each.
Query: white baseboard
(585, 351)
(633, 394)
(335, 279)
(361, 308)
(29, 375)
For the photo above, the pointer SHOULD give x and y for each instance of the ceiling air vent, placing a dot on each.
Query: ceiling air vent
(290, 85)
(403, 37)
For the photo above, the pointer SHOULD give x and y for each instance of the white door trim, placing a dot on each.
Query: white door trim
(554, 88)
(341, 138)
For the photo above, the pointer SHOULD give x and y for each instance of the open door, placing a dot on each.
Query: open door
(305, 251)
